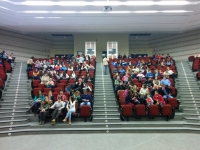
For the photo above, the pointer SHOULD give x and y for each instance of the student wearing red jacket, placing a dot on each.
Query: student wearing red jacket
(159, 99)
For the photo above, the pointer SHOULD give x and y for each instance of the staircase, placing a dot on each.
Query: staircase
(15, 100)
(189, 92)
(105, 108)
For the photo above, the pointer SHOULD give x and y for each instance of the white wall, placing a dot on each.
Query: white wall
(101, 42)
(180, 46)
(24, 46)
(62, 45)
(140, 45)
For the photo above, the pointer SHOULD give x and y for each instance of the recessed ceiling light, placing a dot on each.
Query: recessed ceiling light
(4, 8)
(47, 17)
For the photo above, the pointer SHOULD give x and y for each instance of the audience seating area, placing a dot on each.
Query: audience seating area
(68, 75)
(135, 81)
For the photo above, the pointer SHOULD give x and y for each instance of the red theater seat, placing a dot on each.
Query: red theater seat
(85, 112)
(153, 111)
(126, 111)
(167, 111)
(140, 111)
(173, 102)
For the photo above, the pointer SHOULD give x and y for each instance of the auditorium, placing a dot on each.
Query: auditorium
(111, 74)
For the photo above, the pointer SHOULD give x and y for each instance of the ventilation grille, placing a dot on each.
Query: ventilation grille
(61, 35)
(145, 34)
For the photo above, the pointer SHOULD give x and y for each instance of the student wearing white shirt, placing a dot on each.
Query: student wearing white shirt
(71, 109)
(140, 76)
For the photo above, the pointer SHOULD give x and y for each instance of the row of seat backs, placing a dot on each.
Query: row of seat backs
(140, 110)
(78, 73)
(62, 84)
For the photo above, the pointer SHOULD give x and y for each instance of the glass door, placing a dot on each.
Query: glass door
(112, 49)
(90, 48)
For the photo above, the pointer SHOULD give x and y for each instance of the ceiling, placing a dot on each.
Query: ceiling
(87, 16)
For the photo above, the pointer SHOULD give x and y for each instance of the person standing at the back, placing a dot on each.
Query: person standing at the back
(105, 63)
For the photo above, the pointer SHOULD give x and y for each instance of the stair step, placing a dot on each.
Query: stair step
(14, 116)
(10, 122)
(8, 127)
(16, 109)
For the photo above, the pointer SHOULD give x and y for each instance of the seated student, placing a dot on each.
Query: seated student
(171, 73)
(129, 69)
(121, 71)
(169, 62)
(63, 68)
(73, 75)
(114, 64)
(57, 106)
(57, 67)
(134, 89)
(36, 74)
(140, 76)
(130, 63)
(149, 63)
(149, 74)
(156, 81)
(44, 108)
(163, 63)
(89, 78)
(64, 75)
(138, 63)
(157, 73)
(86, 99)
(51, 97)
(50, 83)
(119, 56)
(142, 63)
(70, 67)
(45, 79)
(136, 69)
(125, 78)
(37, 101)
(85, 67)
(129, 56)
(148, 82)
(162, 91)
(152, 92)
(62, 97)
(117, 81)
(86, 87)
(149, 100)
(165, 82)
(133, 75)
(70, 109)
(124, 63)
(143, 92)
(159, 99)
(120, 86)
(30, 62)
(119, 63)
(91, 67)
(77, 96)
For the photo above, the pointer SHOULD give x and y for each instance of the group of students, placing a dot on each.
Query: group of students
(80, 91)
(4, 56)
(155, 84)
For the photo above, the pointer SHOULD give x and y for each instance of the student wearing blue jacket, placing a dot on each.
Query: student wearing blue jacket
(149, 75)
(121, 71)
(85, 99)
(64, 68)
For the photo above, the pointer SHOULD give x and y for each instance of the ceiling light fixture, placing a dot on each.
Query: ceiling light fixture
(102, 3)
(47, 17)
(100, 12)
(4, 8)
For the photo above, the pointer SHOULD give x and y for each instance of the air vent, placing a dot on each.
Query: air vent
(61, 35)
(143, 34)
